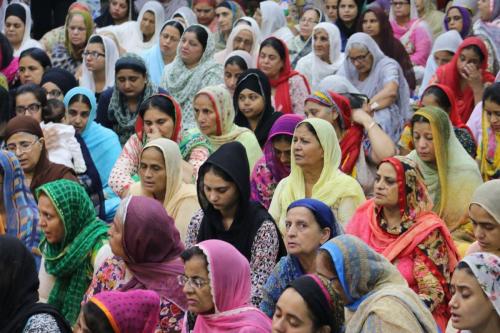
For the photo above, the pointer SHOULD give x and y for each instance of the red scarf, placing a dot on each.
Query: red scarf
(448, 75)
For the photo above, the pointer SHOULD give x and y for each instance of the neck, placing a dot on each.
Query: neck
(338, 130)
(120, 21)
(160, 197)
(490, 325)
(254, 122)
(402, 20)
(191, 66)
(421, 12)
(392, 216)
(311, 175)
(99, 76)
(228, 216)
(363, 76)
(16, 46)
(167, 59)
(146, 38)
(308, 262)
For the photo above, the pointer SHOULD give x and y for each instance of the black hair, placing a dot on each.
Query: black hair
(236, 60)
(187, 254)
(38, 55)
(282, 137)
(201, 35)
(492, 93)
(476, 50)
(218, 172)
(419, 119)
(31, 88)
(174, 24)
(96, 39)
(96, 320)
(275, 44)
(80, 98)
(442, 99)
(6, 50)
(54, 112)
(311, 129)
(163, 104)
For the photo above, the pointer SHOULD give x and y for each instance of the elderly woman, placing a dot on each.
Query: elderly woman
(151, 264)
(18, 28)
(381, 79)
(33, 63)
(309, 224)
(72, 247)
(192, 69)
(399, 224)
(226, 14)
(315, 174)
(301, 44)
(217, 281)
(244, 37)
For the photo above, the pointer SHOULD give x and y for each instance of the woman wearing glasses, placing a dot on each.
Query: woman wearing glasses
(153, 263)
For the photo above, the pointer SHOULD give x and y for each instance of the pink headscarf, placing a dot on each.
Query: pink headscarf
(135, 311)
(10, 71)
(229, 273)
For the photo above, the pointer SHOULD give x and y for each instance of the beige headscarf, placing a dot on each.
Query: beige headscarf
(487, 196)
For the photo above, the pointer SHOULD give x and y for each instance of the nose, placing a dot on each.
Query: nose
(278, 325)
(187, 289)
(212, 197)
(453, 301)
(283, 158)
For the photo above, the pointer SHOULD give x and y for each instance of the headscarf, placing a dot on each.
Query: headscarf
(322, 214)
(231, 158)
(332, 185)
(455, 176)
(131, 311)
(345, 31)
(273, 18)
(256, 81)
(183, 83)
(69, 260)
(455, 119)
(63, 79)
(448, 41)
(230, 289)
(152, 247)
(392, 118)
(433, 17)
(244, 55)
(187, 14)
(282, 98)
(118, 110)
(326, 307)
(111, 56)
(448, 75)
(254, 52)
(466, 20)
(374, 287)
(338, 84)
(45, 171)
(106, 19)
(491, 28)
(19, 289)
(9, 64)
(300, 48)
(316, 68)
(89, 29)
(486, 196)
(237, 12)
(23, 12)
(489, 156)
(20, 206)
(102, 143)
(136, 34)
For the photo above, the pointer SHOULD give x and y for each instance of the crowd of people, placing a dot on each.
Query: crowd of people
(299, 166)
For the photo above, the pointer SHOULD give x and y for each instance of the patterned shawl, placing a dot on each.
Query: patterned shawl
(69, 260)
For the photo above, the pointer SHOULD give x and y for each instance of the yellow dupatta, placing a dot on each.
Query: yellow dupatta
(489, 151)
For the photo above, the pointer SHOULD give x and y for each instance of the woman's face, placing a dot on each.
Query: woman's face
(361, 59)
(50, 222)
(455, 20)
(14, 30)
(204, 13)
(243, 41)
(386, 186)
(205, 114)
(191, 49)
(348, 10)
(371, 25)
(307, 150)
(315, 110)
(424, 142)
(153, 172)
(492, 111)
(307, 22)
(30, 70)
(257, 16)
(420, 5)
(199, 300)
(270, 62)
(115, 234)
(303, 235)
(484, 10)
(224, 18)
(467, 298)
(467, 57)
(118, 9)
(78, 116)
(158, 122)
(53, 91)
(282, 151)
(442, 57)
(27, 104)
(251, 104)
(323, 269)
(331, 9)
(95, 57)
(148, 24)
(130, 82)
(222, 194)
(77, 30)
(232, 73)
(292, 314)
(322, 45)
(401, 8)
(486, 229)
(169, 40)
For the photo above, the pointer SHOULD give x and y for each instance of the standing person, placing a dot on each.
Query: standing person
(18, 28)
(48, 15)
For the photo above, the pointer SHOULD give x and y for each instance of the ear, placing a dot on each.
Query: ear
(325, 329)
(325, 235)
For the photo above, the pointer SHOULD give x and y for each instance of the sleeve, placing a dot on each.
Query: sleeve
(298, 92)
(193, 228)
(125, 166)
(345, 210)
(422, 41)
(102, 109)
(391, 73)
(76, 154)
(264, 254)
(187, 209)
(275, 207)
(170, 317)
(271, 291)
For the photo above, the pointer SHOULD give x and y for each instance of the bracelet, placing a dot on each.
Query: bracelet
(371, 126)
(374, 106)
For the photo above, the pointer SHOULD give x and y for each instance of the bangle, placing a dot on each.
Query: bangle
(371, 126)
(374, 106)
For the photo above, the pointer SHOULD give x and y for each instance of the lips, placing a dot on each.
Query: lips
(455, 317)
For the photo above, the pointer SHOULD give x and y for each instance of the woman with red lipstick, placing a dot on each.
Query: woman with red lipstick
(399, 224)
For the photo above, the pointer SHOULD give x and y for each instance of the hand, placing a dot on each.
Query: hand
(51, 138)
(472, 74)
(362, 116)
(154, 133)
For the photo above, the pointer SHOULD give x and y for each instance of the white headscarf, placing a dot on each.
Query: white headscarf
(316, 69)
(243, 55)
(187, 14)
(273, 18)
(448, 41)
(338, 84)
(254, 52)
(27, 41)
(112, 55)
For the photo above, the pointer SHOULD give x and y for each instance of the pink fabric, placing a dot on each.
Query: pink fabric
(229, 273)
(135, 311)
(10, 71)
(420, 39)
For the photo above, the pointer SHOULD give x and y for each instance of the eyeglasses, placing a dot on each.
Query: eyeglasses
(23, 147)
(93, 54)
(399, 4)
(196, 282)
(32, 109)
(360, 58)
(308, 21)
(56, 93)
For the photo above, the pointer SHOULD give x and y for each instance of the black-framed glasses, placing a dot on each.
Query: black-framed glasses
(196, 282)
(32, 109)
(54, 93)
(93, 54)
(360, 58)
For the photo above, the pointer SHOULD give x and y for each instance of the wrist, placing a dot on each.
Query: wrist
(374, 106)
